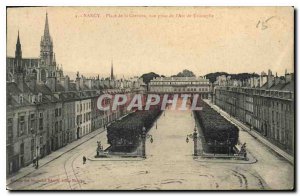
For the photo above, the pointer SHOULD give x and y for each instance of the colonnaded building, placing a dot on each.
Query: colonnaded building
(189, 85)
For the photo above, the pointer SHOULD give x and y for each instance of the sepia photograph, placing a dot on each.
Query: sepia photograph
(150, 98)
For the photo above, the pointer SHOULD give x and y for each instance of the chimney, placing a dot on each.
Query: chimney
(270, 79)
(65, 82)
(288, 77)
(77, 81)
(81, 82)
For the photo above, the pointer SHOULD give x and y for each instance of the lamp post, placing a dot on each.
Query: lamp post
(145, 136)
(37, 157)
(195, 139)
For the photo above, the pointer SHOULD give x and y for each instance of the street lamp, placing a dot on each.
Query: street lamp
(145, 136)
(37, 157)
(195, 139)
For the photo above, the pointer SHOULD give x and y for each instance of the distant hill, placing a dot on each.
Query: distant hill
(240, 76)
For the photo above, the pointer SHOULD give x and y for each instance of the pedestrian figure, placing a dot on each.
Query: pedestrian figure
(84, 159)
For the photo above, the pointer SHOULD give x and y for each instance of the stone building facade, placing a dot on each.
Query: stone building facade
(268, 110)
(199, 85)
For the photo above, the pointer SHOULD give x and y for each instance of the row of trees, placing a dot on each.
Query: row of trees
(211, 76)
(240, 76)
(218, 132)
(123, 135)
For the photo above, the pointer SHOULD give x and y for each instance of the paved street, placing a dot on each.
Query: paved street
(169, 165)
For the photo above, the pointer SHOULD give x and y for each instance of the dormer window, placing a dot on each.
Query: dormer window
(21, 99)
(40, 97)
(33, 99)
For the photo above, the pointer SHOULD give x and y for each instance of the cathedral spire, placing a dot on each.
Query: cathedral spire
(18, 52)
(18, 39)
(112, 71)
(46, 51)
(46, 29)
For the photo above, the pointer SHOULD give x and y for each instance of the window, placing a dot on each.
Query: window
(21, 125)
(22, 149)
(32, 144)
(10, 130)
(32, 121)
(41, 140)
(33, 99)
(21, 99)
(40, 97)
(40, 123)
(60, 125)
(56, 127)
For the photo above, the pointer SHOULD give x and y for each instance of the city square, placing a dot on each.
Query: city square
(161, 113)
(169, 165)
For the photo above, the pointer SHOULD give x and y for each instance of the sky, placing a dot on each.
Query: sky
(164, 40)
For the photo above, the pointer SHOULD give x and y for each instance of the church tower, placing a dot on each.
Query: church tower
(46, 45)
(18, 56)
(18, 52)
(112, 77)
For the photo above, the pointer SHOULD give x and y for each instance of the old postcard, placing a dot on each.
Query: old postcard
(150, 98)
